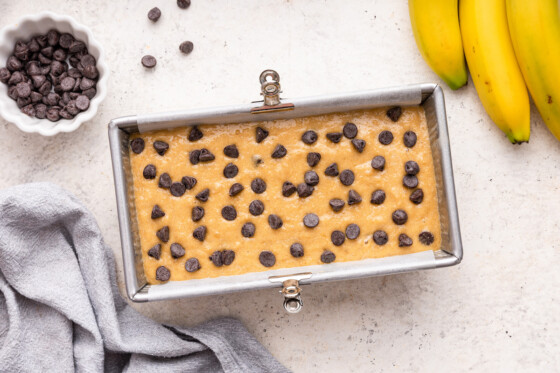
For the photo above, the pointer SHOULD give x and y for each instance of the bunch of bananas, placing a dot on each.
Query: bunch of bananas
(509, 45)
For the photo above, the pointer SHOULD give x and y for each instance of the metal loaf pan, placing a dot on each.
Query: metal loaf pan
(430, 96)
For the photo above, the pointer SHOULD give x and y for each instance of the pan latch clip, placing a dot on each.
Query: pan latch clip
(291, 290)
(270, 90)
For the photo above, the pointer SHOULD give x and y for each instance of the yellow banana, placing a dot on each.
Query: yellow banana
(534, 26)
(494, 69)
(435, 24)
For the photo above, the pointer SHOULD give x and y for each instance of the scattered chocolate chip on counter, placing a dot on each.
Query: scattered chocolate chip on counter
(229, 213)
(380, 237)
(149, 172)
(404, 240)
(248, 230)
(426, 238)
(394, 113)
(332, 170)
(177, 251)
(350, 130)
(163, 234)
(161, 147)
(183, 4)
(267, 258)
(352, 231)
(163, 274)
(192, 265)
(235, 189)
(155, 251)
(311, 220)
(256, 207)
(410, 181)
(354, 197)
(327, 257)
(275, 221)
(230, 171)
(231, 151)
(377, 197)
(417, 196)
(313, 159)
(186, 47)
(203, 195)
(347, 177)
(309, 137)
(197, 213)
(400, 217)
(195, 134)
(261, 134)
(164, 181)
(311, 178)
(336, 204)
(359, 145)
(149, 61)
(137, 145)
(409, 139)
(334, 137)
(258, 185)
(157, 212)
(304, 190)
(200, 233)
(154, 14)
(411, 168)
(279, 152)
(288, 189)
(385, 137)
(296, 250)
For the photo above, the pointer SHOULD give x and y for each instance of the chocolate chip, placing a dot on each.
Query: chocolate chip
(404, 240)
(47, 52)
(5, 75)
(157, 212)
(353, 197)
(28, 110)
(334, 136)
(200, 233)
(65, 114)
(45, 62)
(311, 178)
(193, 156)
(189, 182)
(177, 250)
(310, 220)
(350, 130)
(53, 98)
(359, 145)
(192, 265)
(23, 89)
(90, 93)
(380, 237)
(411, 168)
(417, 196)
(261, 134)
(177, 189)
(352, 231)
(347, 177)
(53, 37)
(162, 273)
(65, 40)
(216, 258)
(155, 251)
(267, 258)
(328, 257)
(40, 111)
(203, 195)
(296, 249)
(36, 97)
(313, 159)
(227, 257)
(257, 160)
(197, 213)
(229, 213)
(400, 217)
(304, 190)
(163, 234)
(12, 93)
(332, 170)
(336, 204)
(90, 72)
(137, 145)
(258, 185)
(183, 4)
(67, 83)
(57, 69)
(21, 51)
(288, 189)
(275, 221)
(76, 47)
(231, 151)
(23, 101)
(164, 181)
(82, 102)
(426, 238)
(186, 47)
(195, 134)
(309, 137)
(394, 113)
(235, 189)
(337, 238)
(161, 147)
(230, 170)
(409, 139)
(385, 137)
(41, 40)
(149, 61)
(13, 64)
(154, 14)
(53, 114)
(33, 68)
(18, 77)
(206, 155)
(377, 197)
(256, 207)
(34, 46)
(410, 181)
(45, 88)
(60, 55)
(279, 152)
(248, 230)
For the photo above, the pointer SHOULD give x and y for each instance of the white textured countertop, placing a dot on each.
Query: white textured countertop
(499, 310)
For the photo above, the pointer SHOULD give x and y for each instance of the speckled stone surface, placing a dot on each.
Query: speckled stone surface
(497, 311)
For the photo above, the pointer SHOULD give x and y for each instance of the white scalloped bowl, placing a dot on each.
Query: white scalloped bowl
(24, 29)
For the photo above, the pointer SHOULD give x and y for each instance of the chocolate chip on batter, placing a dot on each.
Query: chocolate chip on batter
(154, 14)
(347, 177)
(311, 178)
(380, 237)
(354, 197)
(231, 151)
(385, 137)
(227, 257)
(336, 204)
(248, 230)
(332, 170)
(192, 265)
(394, 113)
(189, 182)
(352, 231)
(200, 233)
(400, 217)
(230, 170)
(296, 249)
(426, 238)
(409, 139)
(164, 181)
(206, 155)
(350, 130)
(261, 134)
(411, 168)
(417, 196)
(149, 172)
(267, 258)
(288, 189)
(410, 181)
(359, 145)
(163, 234)
(275, 221)
(235, 189)
(161, 147)
(404, 240)
(162, 273)
(216, 258)
(311, 220)
(157, 212)
(155, 251)
(177, 189)
(195, 134)
(313, 159)
(197, 213)
(229, 213)
(194, 156)
(337, 238)
(203, 195)
(257, 160)
(258, 185)
(177, 250)
(328, 257)
(309, 137)
(304, 190)
(256, 207)
(377, 197)
(334, 136)
(137, 145)
(279, 152)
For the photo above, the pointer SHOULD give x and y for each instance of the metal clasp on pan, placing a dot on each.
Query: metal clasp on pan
(291, 290)
(270, 90)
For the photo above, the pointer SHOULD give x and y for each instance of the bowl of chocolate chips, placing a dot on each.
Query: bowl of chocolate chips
(52, 74)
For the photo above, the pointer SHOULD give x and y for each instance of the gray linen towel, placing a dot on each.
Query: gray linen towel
(61, 311)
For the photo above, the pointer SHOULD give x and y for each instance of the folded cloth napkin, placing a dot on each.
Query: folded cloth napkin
(61, 311)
